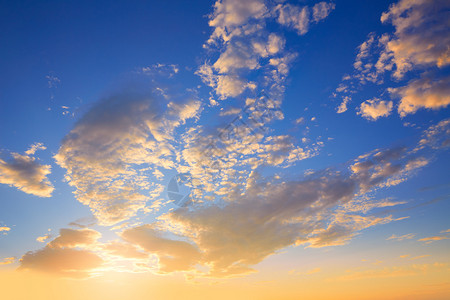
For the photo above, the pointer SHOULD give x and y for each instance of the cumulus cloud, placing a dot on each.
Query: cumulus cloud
(421, 34)
(66, 255)
(24, 172)
(243, 43)
(423, 93)
(375, 108)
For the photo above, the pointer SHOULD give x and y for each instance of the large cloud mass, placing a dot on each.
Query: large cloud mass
(104, 152)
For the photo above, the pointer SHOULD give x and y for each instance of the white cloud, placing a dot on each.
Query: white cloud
(375, 108)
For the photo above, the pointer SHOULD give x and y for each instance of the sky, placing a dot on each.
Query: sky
(257, 149)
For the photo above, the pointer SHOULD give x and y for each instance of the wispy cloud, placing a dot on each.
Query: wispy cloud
(408, 236)
(7, 261)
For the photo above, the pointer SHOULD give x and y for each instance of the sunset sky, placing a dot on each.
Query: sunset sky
(257, 149)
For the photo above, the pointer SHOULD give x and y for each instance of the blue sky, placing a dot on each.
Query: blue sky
(103, 103)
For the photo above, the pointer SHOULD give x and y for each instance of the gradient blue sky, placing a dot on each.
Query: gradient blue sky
(63, 61)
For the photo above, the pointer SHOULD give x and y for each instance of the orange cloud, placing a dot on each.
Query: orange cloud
(60, 257)
(26, 174)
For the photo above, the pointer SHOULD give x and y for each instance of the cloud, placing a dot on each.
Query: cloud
(42, 239)
(271, 216)
(294, 17)
(4, 229)
(72, 238)
(436, 136)
(125, 250)
(105, 151)
(25, 173)
(434, 238)
(445, 235)
(321, 10)
(250, 221)
(52, 81)
(421, 34)
(230, 111)
(420, 44)
(7, 261)
(173, 255)
(243, 44)
(423, 93)
(415, 257)
(343, 106)
(60, 256)
(299, 18)
(63, 262)
(374, 108)
(408, 236)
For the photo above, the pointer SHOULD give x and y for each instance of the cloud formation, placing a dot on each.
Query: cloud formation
(24, 172)
(228, 237)
(419, 44)
(421, 34)
(445, 235)
(244, 44)
(61, 256)
(105, 152)
(422, 93)
(375, 108)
